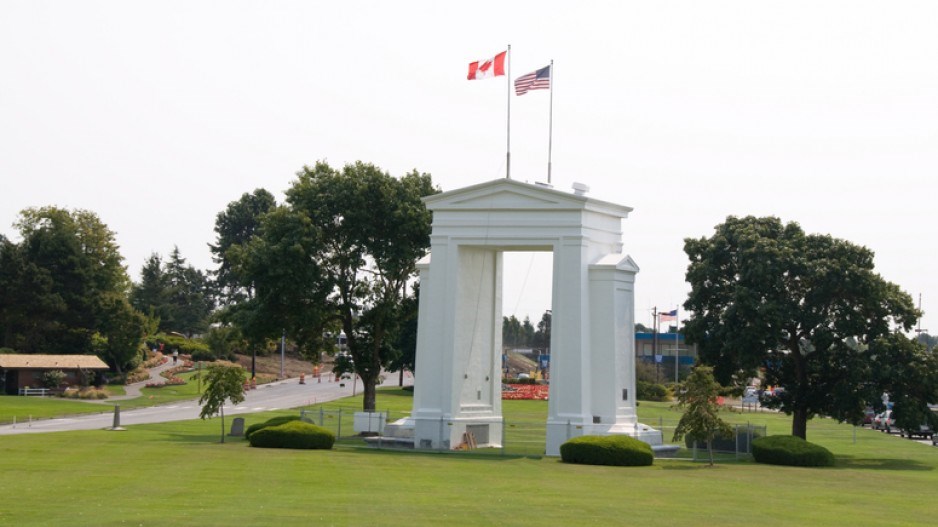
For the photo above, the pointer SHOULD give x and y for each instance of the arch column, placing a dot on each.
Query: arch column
(459, 345)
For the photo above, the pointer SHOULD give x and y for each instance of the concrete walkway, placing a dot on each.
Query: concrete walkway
(132, 391)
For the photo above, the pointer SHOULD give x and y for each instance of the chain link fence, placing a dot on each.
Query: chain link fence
(518, 437)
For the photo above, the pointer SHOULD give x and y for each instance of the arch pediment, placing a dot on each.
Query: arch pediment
(508, 194)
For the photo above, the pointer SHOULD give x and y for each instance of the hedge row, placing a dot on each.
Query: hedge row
(615, 450)
(791, 451)
(175, 342)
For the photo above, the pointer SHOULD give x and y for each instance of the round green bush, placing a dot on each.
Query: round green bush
(203, 356)
(649, 391)
(791, 451)
(615, 450)
(295, 434)
(274, 421)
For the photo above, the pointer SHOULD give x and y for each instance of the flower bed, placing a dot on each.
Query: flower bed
(172, 381)
(514, 392)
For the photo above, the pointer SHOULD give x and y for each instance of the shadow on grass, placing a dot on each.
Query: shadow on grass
(487, 454)
(201, 438)
(867, 463)
(687, 464)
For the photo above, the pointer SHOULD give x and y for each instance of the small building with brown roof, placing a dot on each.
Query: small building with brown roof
(19, 371)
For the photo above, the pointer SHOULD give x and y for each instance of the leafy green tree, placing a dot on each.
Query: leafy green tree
(291, 289)
(904, 370)
(222, 382)
(340, 252)
(765, 295)
(224, 341)
(58, 281)
(697, 395)
(405, 344)
(234, 227)
(929, 341)
(123, 329)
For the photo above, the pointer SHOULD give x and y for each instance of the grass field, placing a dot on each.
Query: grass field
(21, 409)
(178, 474)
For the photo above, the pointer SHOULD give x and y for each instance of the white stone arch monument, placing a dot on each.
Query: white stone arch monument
(459, 340)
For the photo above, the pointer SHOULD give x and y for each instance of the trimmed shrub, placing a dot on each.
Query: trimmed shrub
(85, 393)
(648, 391)
(615, 450)
(204, 356)
(274, 421)
(791, 451)
(294, 434)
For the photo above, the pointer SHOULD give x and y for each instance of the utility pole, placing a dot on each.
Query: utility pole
(283, 345)
(918, 329)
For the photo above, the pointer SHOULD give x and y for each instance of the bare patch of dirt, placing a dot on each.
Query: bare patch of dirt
(269, 366)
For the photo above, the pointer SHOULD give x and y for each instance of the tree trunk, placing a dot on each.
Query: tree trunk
(799, 417)
(223, 422)
(799, 423)
(368, 392)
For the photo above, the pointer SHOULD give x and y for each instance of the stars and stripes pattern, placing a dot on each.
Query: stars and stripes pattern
(537, 80)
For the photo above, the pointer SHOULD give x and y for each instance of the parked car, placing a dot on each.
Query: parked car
(884, 421)
(868, 415)
(923, 431)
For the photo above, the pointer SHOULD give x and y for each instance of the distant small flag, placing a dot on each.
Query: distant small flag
(667, 316)
(538, 80)
(485, 69)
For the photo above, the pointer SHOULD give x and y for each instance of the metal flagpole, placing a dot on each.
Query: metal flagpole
(677, 351)
(550, 125)
(508, 152)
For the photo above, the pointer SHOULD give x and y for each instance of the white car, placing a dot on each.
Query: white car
(884, 421)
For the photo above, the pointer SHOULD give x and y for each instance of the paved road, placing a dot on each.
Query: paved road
(275, 396)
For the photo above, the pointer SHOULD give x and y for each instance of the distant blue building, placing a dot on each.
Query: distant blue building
(664, 352)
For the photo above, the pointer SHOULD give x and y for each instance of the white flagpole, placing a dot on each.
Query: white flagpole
(550, 125)
(508, 81)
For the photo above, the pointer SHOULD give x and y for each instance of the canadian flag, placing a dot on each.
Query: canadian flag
(485, 69)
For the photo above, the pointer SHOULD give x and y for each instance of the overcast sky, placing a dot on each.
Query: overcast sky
(156, 115)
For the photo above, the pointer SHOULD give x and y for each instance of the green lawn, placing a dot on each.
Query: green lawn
(24, 408)
(178, 474)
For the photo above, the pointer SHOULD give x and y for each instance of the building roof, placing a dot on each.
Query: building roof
(52, 362)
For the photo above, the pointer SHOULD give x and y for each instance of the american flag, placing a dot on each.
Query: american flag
(538, 80)
(667, 316)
